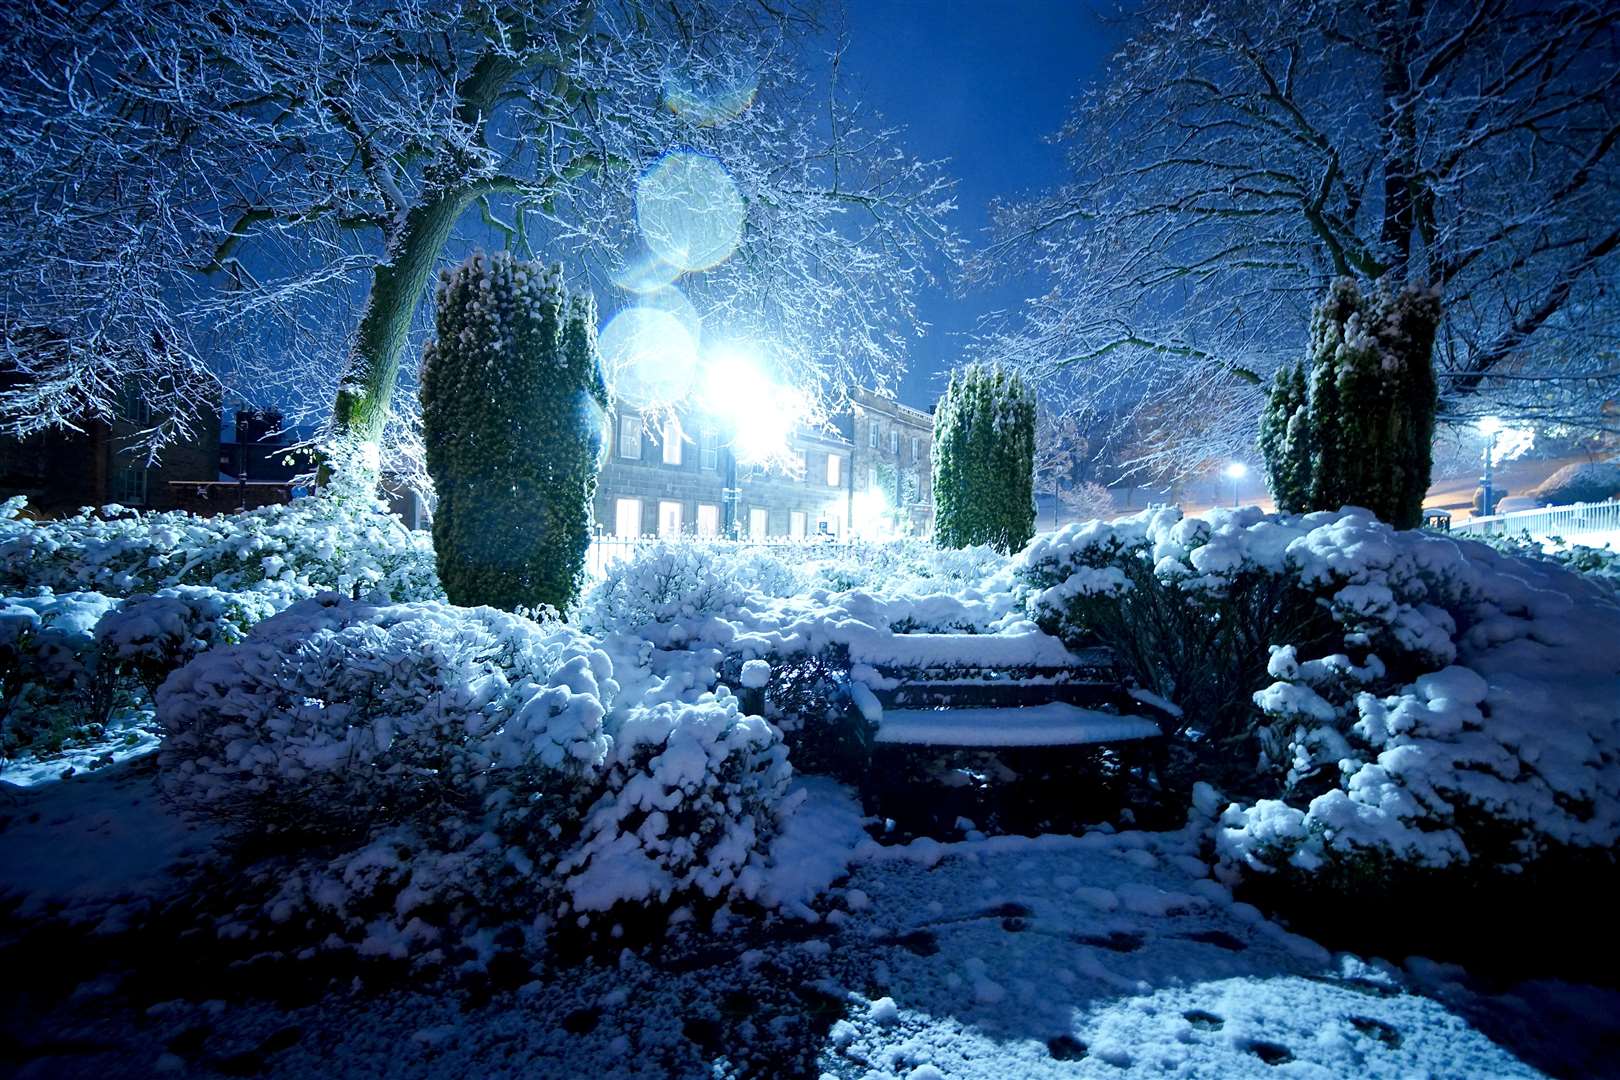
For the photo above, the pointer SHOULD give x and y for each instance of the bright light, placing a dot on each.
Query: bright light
(1236, 470)
(870, 512)
(759, 412)
(690, 213)
(650, 355)
(1489, 425)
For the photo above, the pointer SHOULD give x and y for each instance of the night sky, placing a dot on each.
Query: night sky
(982, 84)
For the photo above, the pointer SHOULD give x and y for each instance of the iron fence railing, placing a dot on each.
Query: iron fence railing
(1580, 523)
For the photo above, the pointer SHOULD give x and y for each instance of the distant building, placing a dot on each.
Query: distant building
(670, 481)
(892, 474)
(102, 462)
(870, 476)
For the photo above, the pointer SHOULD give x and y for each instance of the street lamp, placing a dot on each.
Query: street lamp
(757, 413)
(1235, 472)
(1489, 426)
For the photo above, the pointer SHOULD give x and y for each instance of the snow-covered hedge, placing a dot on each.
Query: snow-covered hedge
(339, 715)
(905, 567)
(53, 691)
(147, 637)
(288, 551)
(667, 584)
(1461, 711)
(694, 793)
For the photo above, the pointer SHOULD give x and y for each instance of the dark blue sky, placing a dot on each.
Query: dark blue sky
(982, 84)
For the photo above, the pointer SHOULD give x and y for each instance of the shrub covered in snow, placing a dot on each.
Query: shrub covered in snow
(339, 714)
(1460, 711)
(906, 567)
(694, 793)
(290, 551)
(147, 637)
(52, 689)
(661, 587)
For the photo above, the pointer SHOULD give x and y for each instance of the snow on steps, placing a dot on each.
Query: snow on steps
(1053, 724)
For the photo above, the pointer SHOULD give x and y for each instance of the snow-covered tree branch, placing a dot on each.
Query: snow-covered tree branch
(202, 200)
(1239, 156)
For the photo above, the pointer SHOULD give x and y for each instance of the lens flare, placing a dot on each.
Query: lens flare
(709, 99)
(690, 213)
(759, 412)
(645, 273)
(650, 355)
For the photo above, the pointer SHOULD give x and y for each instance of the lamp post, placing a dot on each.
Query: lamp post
(1488, 426)
(1235, 472)
(729, 494)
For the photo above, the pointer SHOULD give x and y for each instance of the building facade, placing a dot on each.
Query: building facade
(892, 465)
(668, 479)
(869, 477)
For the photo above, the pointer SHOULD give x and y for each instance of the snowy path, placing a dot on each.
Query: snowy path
(1097, 956)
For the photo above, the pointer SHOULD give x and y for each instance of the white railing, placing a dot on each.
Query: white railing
(1592, 524)
(607, 550)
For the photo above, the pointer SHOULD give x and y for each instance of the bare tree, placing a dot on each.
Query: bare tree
(256, 195)
(1241, 153)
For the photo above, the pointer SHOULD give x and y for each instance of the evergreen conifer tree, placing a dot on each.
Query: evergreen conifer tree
(1359, 432)
(513, 411)
(984, 460)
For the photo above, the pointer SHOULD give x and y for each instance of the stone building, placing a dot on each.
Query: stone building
(868, 477)
(892, 466)
(670, 481)
(61, 471)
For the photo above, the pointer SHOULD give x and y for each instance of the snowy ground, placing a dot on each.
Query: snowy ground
(1095, 956)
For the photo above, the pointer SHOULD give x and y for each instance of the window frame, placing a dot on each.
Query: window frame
(630, 435)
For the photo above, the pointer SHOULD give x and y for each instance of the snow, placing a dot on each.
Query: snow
(1026, 957)
(1052, 724)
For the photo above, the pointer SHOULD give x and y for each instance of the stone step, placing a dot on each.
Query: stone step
(1052, 724)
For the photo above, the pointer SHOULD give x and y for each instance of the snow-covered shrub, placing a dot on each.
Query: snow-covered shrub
(1187, 605)
(340, 715)
(661, 586)
(53, 692)
(289, 551)
(149, 636)
(906, 567)
(694, 794)
(1460, 711)
(1601, 564)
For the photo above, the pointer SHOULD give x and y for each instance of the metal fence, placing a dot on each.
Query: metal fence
(1594, 524)
(607, 550)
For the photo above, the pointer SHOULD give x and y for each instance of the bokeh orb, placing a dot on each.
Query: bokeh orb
(650, 356)
(690, 213)
(709, 98)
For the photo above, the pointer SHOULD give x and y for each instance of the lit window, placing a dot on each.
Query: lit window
(834, 470)
(758, 518)
(627, 517)
(669, 518)
(630, 437)
(708, 519)
(797, 521)
(672, 441)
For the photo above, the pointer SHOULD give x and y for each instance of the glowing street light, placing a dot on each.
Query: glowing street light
(758, 414)
(1235, 472)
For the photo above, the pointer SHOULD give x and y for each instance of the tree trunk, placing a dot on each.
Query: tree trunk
(397, 285)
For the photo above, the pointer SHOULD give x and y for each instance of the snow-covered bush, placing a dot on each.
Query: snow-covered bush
(1448, 708)
(663, 585)
(52, 689)
(149, 636)
(289, 551)
(1188, 606)
(906, 567)
(694, 794)
(1601, 564)
(340, 715)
